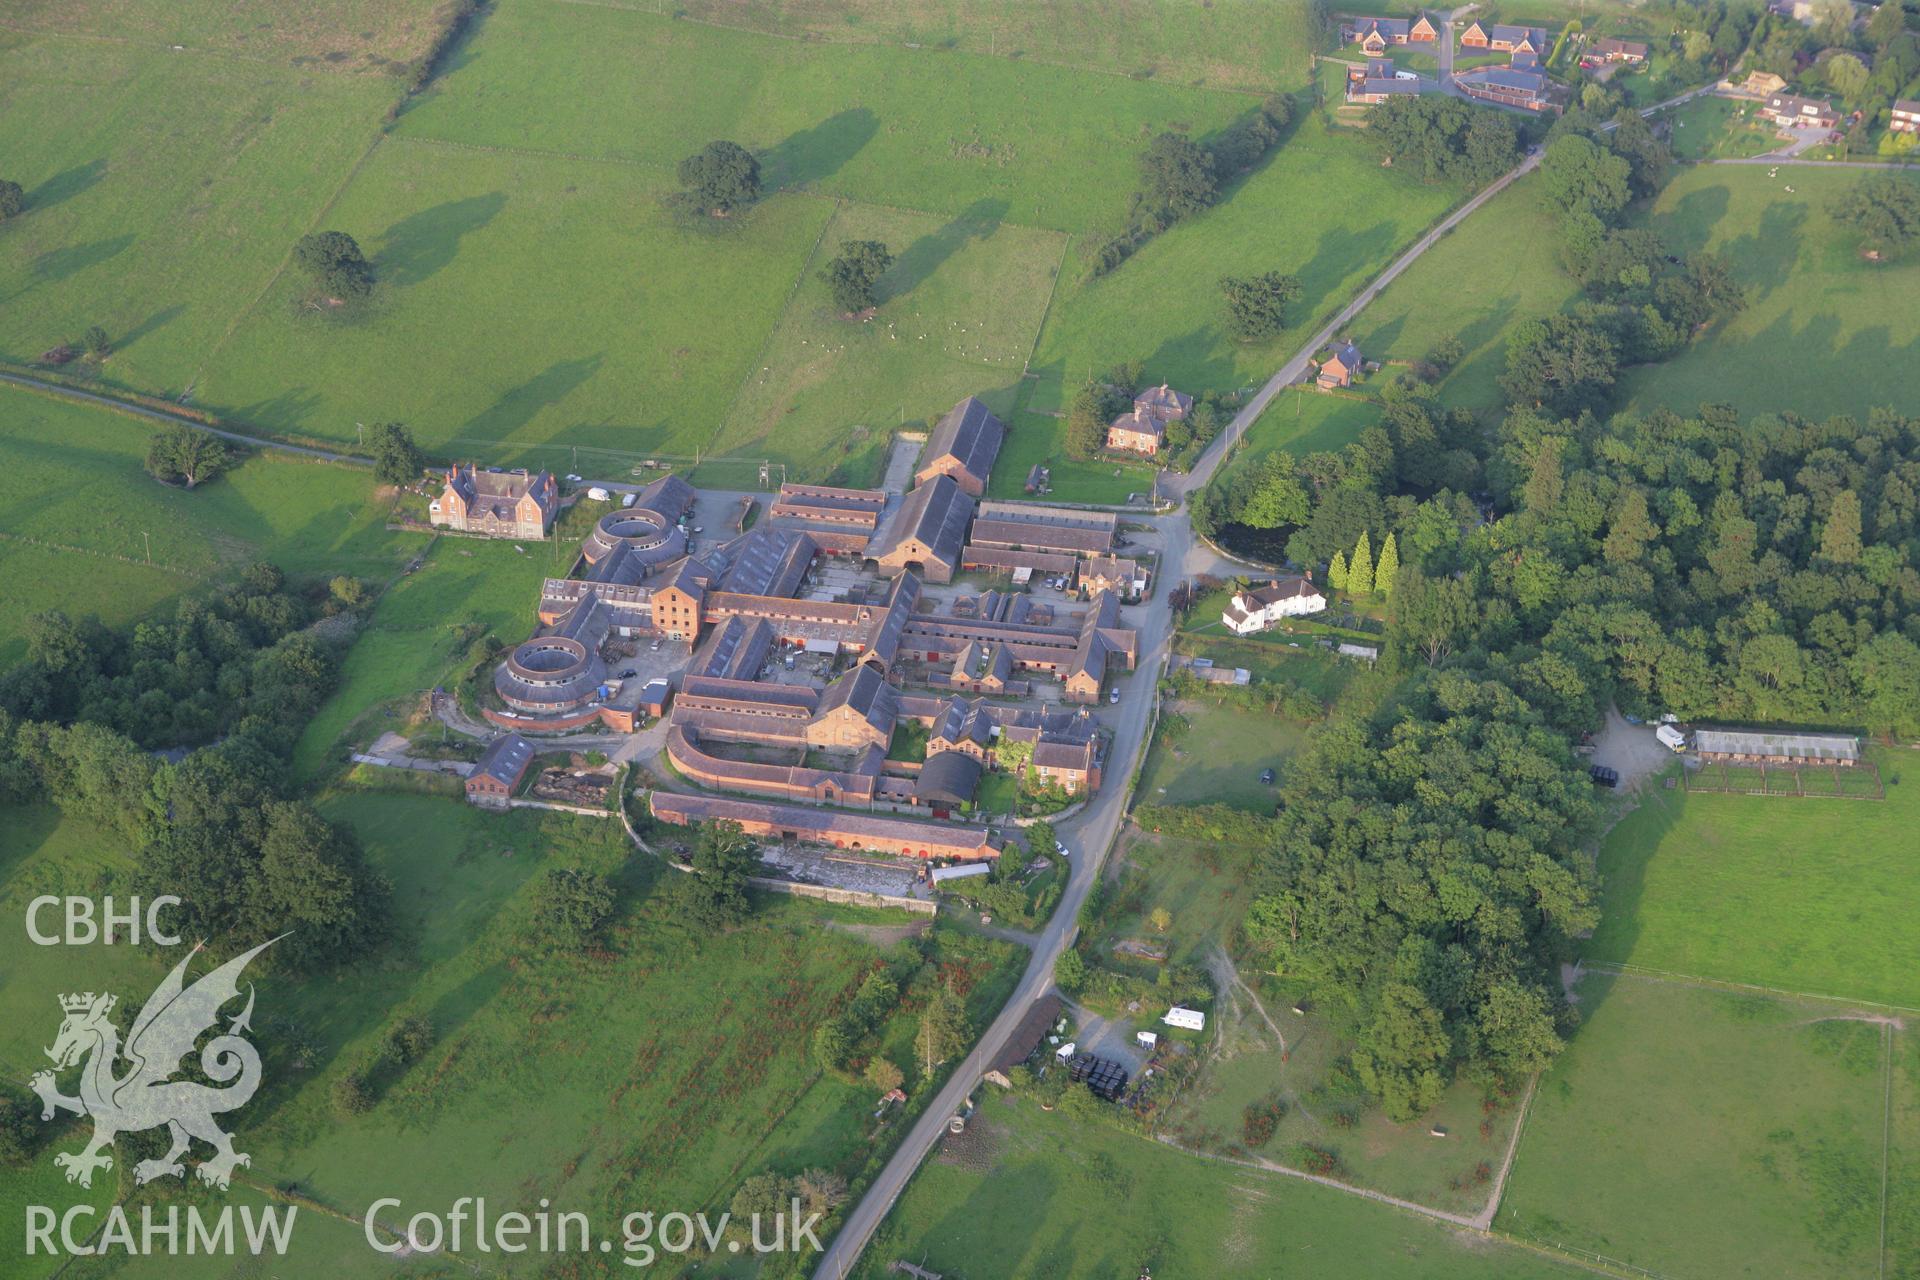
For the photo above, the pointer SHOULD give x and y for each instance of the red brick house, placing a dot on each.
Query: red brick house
(496, 503)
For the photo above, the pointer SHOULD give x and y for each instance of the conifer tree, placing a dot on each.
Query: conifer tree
(1360, 571)
(1389, 567)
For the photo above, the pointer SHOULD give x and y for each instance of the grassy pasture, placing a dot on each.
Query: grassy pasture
(75, 501)
(550, 1076)
(1498, 267)
(1249, 1066)
(1805, 895)
(1202, 885)
(414, 638)
(1230, 44)
(1713, 128)
(528, 302)
(1041, 438)
(1034, 1194)
(1824, 332)
(163, 192)
(918, 129)
(1697, 1132)
(959, 313)
(1320, 207)
(1219, 759)
(1302, 422)
(368, 37)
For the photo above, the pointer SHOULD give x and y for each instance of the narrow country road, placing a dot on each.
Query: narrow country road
(179, 419)
(1091, 834)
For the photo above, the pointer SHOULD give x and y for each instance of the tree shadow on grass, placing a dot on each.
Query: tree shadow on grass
(1688, 226)
(927, 254)
(1764, 259)
(56, 265)
(420, 244)
(820, 151)
(1199, 360)
(1339, 252)
(518, 406)
(66, 184)
(158, 320)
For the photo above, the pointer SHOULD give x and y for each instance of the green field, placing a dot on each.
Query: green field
(1499, 266)
(1804, 895)
(1233, 44)
(536, 293)
(1041, 438)
(961, 308)
(1033, 1194)
(1343, 216)
(418, 633)
(917, 129)
(1697, 1132)
(526, 301)
(1824, 332)
(1219, 758)
(1713, 128)
(1247, 1064)
(78, 509)
(163, 192)
(358, 37)
(1303, 422)
(659, 1071)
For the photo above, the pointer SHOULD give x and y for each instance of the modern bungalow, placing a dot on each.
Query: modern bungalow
(1790, 111)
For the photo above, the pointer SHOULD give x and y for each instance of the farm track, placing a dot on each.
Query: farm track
(178, 419)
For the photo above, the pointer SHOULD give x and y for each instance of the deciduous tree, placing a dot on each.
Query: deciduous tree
(854, 274)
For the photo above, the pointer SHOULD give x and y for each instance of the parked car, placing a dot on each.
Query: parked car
(657, 642)
(1113, 698)
(1603, 776)
(1266, 777)
(628, 674)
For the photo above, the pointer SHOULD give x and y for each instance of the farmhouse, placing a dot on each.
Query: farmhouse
(1614, 49)
(1904, 116)
(1776, 748)
(491, 782)
(1791, 111)
(1338, 369)
(1258, 608)
(1142, 428)
(876, 833)
(1505, 39)
(963, 446)
(496, 503)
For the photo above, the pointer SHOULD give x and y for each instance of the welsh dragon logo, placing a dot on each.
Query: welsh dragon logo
(145, 1095)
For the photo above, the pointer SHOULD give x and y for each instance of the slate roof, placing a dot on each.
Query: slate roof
(902, 600)
(1518, 80)
(949, 776)
(971, 435)
(936, 515)
(766, 562)
(504, 760)
(735, 650)
(866, 693)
